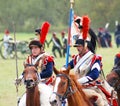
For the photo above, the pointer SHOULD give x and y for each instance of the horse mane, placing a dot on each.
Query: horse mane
(30, 68)
(79, 86)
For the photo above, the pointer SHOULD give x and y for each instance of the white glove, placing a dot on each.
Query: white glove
(39, 76)
(19, 80)
(83, 80)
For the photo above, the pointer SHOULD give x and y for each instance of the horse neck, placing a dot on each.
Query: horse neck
(73, 100)
(33, 96)
(77, 98)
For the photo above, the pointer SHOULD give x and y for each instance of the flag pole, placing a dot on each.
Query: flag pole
(69, 31)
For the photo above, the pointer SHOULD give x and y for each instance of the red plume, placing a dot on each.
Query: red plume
(44, 30)
(85, 24)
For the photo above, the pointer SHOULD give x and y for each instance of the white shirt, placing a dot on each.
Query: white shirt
(6, 38)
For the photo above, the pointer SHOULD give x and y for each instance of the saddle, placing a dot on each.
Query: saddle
(104, 87)
(48, 81)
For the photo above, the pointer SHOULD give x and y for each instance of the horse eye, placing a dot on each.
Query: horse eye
(35, 71)
(62, 84)
(23, 72)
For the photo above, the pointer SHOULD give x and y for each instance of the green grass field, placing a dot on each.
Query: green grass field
(8, 94)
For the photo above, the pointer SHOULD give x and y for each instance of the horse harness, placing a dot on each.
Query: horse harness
(31, 83)
(38, 62)
(69, 90)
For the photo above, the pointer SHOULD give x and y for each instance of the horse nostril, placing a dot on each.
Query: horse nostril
(55, 101)
(28, 82)
(31, 80)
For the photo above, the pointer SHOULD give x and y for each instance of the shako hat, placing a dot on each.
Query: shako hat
(35, 43)
(86, 34)
(43, 31)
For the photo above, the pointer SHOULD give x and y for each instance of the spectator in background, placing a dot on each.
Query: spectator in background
(108, 38)
(100, 37)
(64, 41)
(37, 33)
(117, 35)
(56, 45)
(6, 40)
(104, 38)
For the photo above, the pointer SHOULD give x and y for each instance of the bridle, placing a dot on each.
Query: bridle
(69, 90)
(29, 82)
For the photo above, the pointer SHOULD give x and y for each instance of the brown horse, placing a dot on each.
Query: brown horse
(66, 87)
(113, 78)
(37, 93)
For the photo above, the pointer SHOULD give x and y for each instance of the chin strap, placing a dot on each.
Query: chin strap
(41, 55)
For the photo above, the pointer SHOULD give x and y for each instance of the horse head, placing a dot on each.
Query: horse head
(63, 86)
(67, 87)
(31, 77)
(112, 77)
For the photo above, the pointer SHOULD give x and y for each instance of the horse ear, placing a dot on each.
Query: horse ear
(65, 70)
(55, 70)
(68, 69)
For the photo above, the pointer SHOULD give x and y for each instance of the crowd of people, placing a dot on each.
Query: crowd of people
(104, 38)
(7, 38)
(60, 47)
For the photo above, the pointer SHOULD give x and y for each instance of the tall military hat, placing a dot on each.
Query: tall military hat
(86, 34)
(35, 43)
(42, 32)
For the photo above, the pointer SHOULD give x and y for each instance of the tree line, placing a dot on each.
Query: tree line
(27, 15)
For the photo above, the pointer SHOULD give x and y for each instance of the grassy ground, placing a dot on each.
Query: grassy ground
(8, 95)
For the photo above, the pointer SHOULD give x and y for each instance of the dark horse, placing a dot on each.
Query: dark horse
(113, 78)
(66, 87)
(37, 93)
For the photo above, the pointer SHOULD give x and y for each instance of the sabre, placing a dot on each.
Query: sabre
(16, 61)
(69, 31)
